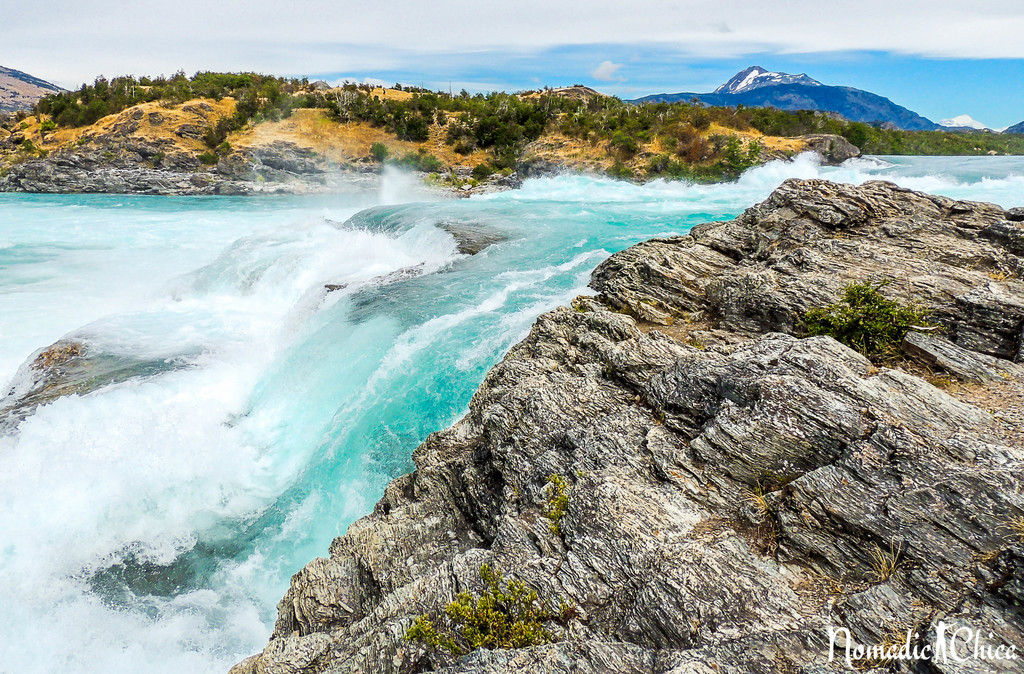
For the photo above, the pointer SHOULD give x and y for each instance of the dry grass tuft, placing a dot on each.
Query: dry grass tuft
(885, 562)
(757, 498)
(1015, 527)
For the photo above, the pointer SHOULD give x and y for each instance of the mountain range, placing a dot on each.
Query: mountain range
(20, 91)
(758, 87)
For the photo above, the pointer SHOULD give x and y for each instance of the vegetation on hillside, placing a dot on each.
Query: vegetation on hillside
(876, 140)
(257, 95)
(674, 140)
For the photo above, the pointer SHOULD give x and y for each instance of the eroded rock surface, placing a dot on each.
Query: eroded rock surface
(734, 489)
(832, 149)
(71, 367)
(120, 163)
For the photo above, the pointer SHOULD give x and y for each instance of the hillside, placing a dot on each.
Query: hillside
(21, 91)
(758, 87)
(1016, 128)
(263, 134)
(243, 133)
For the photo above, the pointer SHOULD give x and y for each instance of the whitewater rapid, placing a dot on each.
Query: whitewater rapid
(152, 525)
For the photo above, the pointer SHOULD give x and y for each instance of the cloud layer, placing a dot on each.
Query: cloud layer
(73, 40)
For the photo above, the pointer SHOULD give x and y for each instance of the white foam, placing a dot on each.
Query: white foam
(161, 467)
(149, 468)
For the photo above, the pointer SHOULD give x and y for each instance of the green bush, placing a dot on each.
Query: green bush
(379, 151)
(701, 118)
(505, 615)
(866, 321)
(558, 502)
(482, 171)
(620, 171)
(624, 145)
(209, 157)
(419, 161)
(47, 126)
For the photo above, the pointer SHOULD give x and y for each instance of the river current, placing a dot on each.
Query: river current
(151, 525)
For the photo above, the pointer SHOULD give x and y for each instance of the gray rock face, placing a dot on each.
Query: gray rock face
(833, 149)
(734, 490)
(121, 163)
(70, 367)
(964, 364)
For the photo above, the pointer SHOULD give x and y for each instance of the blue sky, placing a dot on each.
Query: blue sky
(989, 90)
(941, 58)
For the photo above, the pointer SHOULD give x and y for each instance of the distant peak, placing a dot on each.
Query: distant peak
(965, 121)
(756, 77)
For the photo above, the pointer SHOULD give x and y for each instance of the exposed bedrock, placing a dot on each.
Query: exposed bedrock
(734, 489)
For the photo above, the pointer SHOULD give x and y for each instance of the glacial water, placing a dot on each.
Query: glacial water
(152, 525)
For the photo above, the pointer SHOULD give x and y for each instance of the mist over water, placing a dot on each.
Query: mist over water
(152, 525)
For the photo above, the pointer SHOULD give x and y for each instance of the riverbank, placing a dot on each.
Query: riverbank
(185, 149)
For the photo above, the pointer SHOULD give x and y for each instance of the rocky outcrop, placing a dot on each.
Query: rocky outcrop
(734, 490)
(71, 366)
(832, 149)
(124, 163)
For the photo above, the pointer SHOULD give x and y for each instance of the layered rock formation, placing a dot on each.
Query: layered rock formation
(126, 165)
(734, 490)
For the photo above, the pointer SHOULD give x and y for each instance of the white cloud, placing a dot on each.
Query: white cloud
(607, 72)
(86, 37)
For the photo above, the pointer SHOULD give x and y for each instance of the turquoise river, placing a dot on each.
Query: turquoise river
(152, 525)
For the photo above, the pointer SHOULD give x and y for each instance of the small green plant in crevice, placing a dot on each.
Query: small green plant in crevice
(558, 502)
(866, 321)
(695, 343)
(507, 614)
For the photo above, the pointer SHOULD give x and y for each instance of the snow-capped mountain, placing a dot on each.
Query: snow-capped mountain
(756, 77)
(757, 87)
(963, 121)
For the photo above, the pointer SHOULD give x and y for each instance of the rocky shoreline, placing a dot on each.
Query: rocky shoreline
(144, 168)
(280, 169)
(120, 159)
(123, 160)
(732, 490)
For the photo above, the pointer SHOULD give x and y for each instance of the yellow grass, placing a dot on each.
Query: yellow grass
(768, 142)
(347, 142)
(310, 128)
(173, 117)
